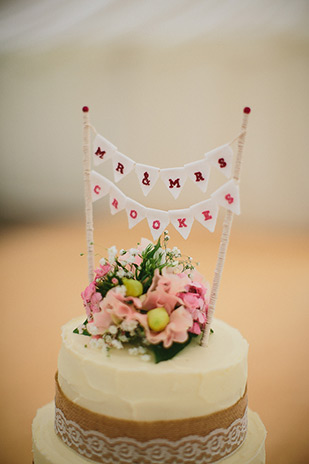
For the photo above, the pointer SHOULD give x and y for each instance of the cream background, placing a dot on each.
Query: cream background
(164, 98)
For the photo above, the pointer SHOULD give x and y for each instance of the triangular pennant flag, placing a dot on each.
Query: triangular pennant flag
(157, 220)
(117, 200)
(122, 165)
(100, 186)
(198, 172)
(174, 179)
(135, 212)
(147, 176)
(206, 212)
(228, 196)
(102, 149)
(221, 158)
(182, 220)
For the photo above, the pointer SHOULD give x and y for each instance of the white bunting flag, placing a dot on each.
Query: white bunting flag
(182, 220)
(221, 158)
(174, 180)
(102, 149)
(122, 165)
(198, 172)
(135, 212)
(228, 196)
(147, 176)
(206, 212)
(117, 200)
(158, 221)
(100, 186)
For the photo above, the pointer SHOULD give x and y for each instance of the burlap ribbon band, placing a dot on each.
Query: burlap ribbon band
(215, 435)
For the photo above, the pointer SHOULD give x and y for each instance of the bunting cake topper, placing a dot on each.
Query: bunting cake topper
(96, 186)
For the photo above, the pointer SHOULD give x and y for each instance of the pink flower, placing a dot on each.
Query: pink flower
(164, 291)
(196, 302)
(91, 299)
(175, 331)
(102, 271)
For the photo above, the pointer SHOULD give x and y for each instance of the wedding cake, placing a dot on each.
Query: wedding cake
(134, 384)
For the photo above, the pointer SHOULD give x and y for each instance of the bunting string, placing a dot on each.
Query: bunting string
(173, 178)
(205, 212)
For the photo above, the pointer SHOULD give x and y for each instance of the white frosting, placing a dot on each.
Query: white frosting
(198, 381)
(49, 449)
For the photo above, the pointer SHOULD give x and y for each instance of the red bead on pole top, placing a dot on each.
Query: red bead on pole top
(247, 110)
(85, 109)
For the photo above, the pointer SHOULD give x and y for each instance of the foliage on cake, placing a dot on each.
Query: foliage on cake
(150, 298)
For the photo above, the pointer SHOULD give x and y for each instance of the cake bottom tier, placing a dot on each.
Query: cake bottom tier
(49, 449)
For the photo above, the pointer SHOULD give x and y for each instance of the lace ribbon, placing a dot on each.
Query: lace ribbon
(108, 440)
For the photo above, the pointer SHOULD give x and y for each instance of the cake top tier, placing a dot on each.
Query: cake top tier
(122, 385)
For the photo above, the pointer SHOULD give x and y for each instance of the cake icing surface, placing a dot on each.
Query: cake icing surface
(196, 382)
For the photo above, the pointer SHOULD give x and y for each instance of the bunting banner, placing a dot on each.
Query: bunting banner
(173, 178)
(102, 150)
(147, 177)
(205, 212)
(221, 158)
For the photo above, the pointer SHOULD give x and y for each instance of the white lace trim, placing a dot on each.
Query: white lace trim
(192, 449)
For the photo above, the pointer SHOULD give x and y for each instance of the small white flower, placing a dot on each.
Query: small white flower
(160, 253)
(108, 339)
(96, 343)
(133, 251)
(141, 350)
(176, 252)
(81, 328)
(117, 344)
(120, 290)
(112, 329)
(121, 272)
(133, 351)
(129, 326)
(102, 261)
(146, 357)
(112, 252)
(92, 329)
(123, 338)
(122, 252)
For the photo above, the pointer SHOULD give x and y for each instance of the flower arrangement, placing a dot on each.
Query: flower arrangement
(150, 298)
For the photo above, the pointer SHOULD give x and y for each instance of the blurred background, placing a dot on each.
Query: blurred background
(165, 81)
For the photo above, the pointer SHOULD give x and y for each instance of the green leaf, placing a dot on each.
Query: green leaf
(84, 332)
(164, 354)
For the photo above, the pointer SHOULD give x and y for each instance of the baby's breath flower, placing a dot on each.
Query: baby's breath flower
(120, 290)
(112, 329)
(117, 344)
(102, 261)
(112, 252)
(146, 357)
(133, 351)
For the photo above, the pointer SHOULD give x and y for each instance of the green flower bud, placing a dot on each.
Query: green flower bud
(158, 319)
(133, 287)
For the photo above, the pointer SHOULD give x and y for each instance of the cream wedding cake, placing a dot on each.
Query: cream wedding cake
(134, 384)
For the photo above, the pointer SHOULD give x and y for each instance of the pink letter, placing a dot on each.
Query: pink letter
(115, 203)
(156, 225)
(97, 189)
(206, 215)
(133, 214)
(182, 222)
